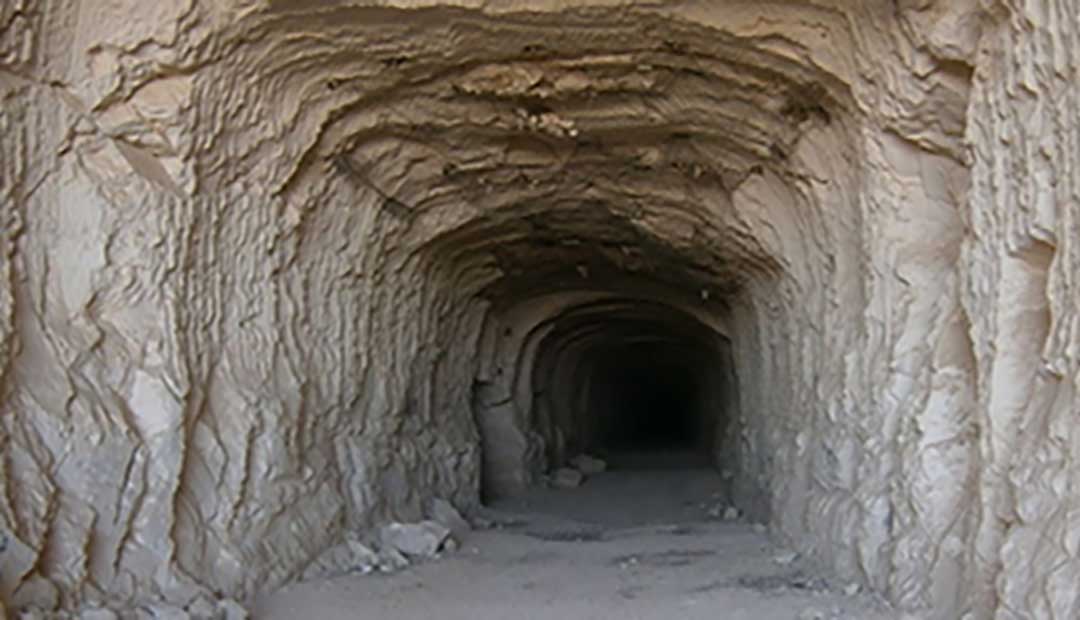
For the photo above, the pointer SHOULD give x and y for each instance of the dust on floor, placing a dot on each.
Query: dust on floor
(626, 545)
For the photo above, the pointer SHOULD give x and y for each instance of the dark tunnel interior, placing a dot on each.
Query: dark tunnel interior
(648, 398)
(636, 382)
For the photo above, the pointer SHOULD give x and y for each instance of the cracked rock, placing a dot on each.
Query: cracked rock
(415, 540)
(566, 478)
(588, 465)
(444, 512)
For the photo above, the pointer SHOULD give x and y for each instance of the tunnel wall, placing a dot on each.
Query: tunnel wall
(219, 352)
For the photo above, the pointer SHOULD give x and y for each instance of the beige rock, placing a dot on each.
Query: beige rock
(444, 513)
(588, 465)
(566, 478)
(259, 290)
(229, 609)
(423, 539)
(349, 556)
(391, 560)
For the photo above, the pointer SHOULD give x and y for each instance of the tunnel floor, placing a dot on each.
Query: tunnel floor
(642, 487)
(643, 543)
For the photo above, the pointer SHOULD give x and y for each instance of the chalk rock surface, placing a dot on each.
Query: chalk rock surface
(420, 540)
(588, 465)
(566, 478)
(276, 272)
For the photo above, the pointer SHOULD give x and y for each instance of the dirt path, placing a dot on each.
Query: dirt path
(627, 545)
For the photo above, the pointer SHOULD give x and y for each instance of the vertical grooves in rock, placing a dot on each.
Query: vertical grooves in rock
(274, 273)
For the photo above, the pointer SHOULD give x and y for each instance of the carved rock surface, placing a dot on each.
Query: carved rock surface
(415, 540)
(271, 271)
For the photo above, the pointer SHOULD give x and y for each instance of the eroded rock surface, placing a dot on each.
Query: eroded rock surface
(270, 271)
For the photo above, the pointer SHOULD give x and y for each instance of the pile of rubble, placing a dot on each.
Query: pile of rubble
(395, 545)
(205, 607)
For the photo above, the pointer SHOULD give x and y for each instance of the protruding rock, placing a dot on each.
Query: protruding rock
(423, 539)
(566, 478)
(202, 608)
(98, 613)
(349, 556)
(445, 513)
(170, 612)
(785, 558)
(589, 465)
(391, 560)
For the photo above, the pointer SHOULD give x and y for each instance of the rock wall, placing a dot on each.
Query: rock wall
(272, 272)
(1020, 290)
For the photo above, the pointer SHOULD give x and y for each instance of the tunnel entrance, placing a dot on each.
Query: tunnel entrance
(640, 384)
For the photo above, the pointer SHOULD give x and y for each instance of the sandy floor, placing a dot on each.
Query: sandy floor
(626, 545)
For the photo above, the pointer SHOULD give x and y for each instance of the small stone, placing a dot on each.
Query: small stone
(566, 478)
(228, 609)
(760, 528)
(731, 513)
(786, 558)
(202, 608)
(99, 613)
(349, 556)
(170, 612)
(589, 465)
(422, 539)
(852, 589)
(362, 557)
(445, 513)
(391, 560)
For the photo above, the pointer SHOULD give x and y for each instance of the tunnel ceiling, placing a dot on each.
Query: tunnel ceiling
(596, 141)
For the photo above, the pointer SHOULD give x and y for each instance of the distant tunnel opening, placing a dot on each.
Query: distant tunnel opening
(635, 382)
(649, 399)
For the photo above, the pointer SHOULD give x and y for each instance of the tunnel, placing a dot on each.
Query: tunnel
(275, 274)
(636, 382)
(647, 399)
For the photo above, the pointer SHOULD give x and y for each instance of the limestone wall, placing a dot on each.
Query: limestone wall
(262, 262)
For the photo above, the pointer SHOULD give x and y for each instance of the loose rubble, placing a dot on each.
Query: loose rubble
(445, 513)
(588, 465)
(566, 478)
(415, 540)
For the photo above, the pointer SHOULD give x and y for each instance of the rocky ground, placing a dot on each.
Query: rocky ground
(629, 543)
